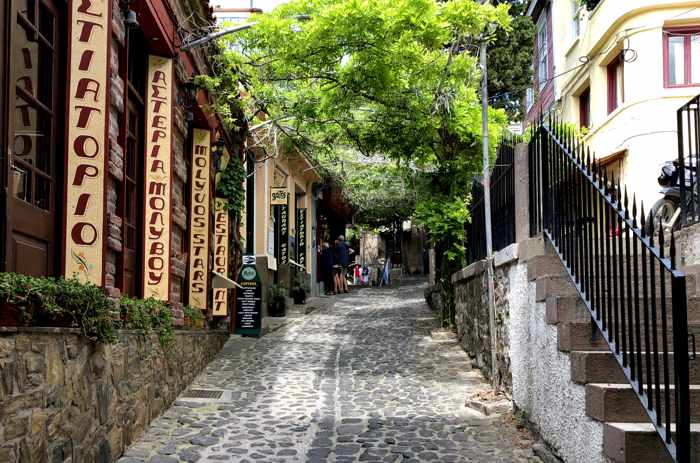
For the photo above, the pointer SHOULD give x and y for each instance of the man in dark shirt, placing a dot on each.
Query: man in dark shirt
(343, 261)
(327, 269)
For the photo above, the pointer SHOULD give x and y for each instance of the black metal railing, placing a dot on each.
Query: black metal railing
(688, 120)
(502, 204)
(626, 277)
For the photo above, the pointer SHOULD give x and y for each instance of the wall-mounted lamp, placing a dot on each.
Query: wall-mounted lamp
(217, 152)
(130, 19)
(190, 96)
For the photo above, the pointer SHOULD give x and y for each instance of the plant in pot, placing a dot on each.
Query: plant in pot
(24, 298)
(193, 317)
(300, 289)
(276, 301)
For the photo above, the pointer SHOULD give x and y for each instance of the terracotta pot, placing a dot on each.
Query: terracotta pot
(10, 315)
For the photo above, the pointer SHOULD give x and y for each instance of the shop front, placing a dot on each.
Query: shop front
(108, 155)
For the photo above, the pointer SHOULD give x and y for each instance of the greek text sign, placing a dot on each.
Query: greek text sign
(156, 277)
(278, 196)
(199, 219)
(249, 300)
(301, 237)
(86, 138)
(221, 256)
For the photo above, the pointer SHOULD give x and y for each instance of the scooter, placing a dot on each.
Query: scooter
(667, 210)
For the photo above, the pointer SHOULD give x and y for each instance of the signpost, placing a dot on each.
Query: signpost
(301, 237)
(249, 300)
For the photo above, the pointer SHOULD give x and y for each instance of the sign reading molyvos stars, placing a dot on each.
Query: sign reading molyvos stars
(156, 276)
(86, 138)
(199, 219)
(221, 256)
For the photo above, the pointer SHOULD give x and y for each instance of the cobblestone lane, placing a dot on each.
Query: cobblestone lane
(361, 381)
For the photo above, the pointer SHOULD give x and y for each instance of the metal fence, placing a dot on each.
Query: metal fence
(635, 294)
(688, 120)
(502, 204)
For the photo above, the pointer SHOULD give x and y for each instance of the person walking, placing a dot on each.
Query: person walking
(343, 261)
(337, 269)
(327, 269)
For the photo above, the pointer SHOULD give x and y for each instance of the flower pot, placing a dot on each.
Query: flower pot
(10, 315)
(276, 308)
(299, 297)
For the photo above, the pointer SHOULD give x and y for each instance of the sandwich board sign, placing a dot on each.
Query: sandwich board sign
(249, 300)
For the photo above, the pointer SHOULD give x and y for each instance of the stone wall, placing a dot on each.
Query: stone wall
(63, 398)
(472, 317)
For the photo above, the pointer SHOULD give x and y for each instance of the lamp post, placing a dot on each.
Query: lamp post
(218, 152)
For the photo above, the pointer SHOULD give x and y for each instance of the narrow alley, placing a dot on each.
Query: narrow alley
(360, 381)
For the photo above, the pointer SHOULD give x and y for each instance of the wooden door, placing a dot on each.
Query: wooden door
(35, 137)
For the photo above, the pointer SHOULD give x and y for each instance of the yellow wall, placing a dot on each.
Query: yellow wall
(645, 123)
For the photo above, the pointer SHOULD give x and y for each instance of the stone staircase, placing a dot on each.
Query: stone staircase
(628, 435)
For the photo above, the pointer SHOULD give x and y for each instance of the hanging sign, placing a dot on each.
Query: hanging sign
(283, 233)
(221, 256)
(249, 300)
(301, 236)
(156, 277)
(86, 137)
(278, 196)
(199, 219)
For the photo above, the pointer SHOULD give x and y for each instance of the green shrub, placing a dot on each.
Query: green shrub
(150, 315)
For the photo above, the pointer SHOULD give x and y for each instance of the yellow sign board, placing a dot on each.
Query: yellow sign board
(86, 139)
(221, 256)
(159, 96)
(199, 219)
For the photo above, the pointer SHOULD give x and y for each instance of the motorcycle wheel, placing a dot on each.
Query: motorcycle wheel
(661, 212)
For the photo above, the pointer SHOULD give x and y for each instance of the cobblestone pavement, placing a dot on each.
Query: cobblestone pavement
(360, 381)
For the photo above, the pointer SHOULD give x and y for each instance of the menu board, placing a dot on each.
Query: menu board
(249, 300)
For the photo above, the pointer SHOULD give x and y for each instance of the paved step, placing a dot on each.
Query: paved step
(601, 367)
(641, 443)
(563, 309)
(610, 402)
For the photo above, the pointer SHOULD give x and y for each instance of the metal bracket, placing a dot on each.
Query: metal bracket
(692, 338)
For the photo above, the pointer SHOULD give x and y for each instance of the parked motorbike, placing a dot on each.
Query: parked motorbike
(667, 210)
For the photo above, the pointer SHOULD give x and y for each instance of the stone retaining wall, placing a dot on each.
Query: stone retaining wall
(63, 398)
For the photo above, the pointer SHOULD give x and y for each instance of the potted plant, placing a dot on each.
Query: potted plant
(300, 289)
(24, 298)
(276, 301)
(193, 317)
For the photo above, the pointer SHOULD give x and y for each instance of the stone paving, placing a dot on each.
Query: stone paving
(360, 381)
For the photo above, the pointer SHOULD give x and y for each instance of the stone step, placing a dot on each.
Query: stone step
(611, 402)
(641, 443)
(562, 309)
(553, 285)
(601, 367)
(579, 336)
(544, 265)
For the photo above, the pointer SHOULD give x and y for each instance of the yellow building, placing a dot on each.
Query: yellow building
(620, 72)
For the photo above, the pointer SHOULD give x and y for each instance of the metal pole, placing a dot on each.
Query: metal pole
(487, 208)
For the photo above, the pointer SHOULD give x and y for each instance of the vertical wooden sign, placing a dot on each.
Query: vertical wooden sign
(283, 233)
(199, 220)
(221, 256)
(156, 277)
(86, 136)
(301, 236)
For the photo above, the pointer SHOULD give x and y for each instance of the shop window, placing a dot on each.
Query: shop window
(681, 57)
(616, 87)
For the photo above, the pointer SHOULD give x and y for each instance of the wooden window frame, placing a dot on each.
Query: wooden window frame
(584, 108)
(542, 22)
(685, 31)
(614, 67)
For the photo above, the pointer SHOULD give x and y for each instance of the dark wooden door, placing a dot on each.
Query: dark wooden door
(35, 138)
(133, 197)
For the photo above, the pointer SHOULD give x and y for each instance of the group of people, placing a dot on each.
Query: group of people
(334, 265)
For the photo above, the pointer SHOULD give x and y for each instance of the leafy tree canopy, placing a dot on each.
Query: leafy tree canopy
(391, 78)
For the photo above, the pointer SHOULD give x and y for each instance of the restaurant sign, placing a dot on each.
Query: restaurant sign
(86, 139)
(221, 256)
(156, 278)
(283, 233)
(301, 237)
(278, 196)
(199, 219)
(249, 300)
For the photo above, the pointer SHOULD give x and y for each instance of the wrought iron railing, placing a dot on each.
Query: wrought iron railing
(688, 120)
(502, 204)
(635, 294)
